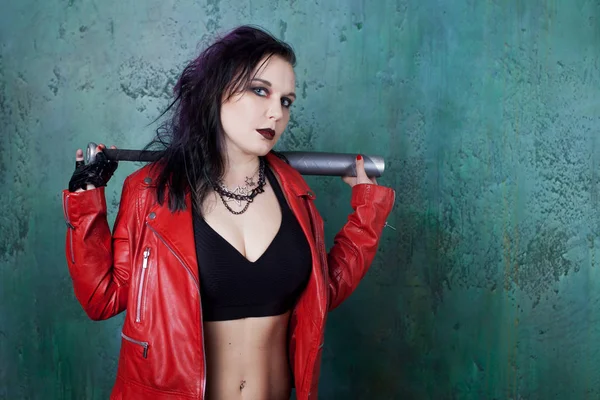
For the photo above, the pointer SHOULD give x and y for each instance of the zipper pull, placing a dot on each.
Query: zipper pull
(146, 255)
(388, 225)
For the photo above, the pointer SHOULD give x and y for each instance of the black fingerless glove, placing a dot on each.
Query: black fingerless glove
(97, 173)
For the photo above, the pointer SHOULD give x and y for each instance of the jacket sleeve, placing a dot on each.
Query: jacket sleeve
(99, 263)
(355, 245)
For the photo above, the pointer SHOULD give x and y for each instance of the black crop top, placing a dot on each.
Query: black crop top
(233, 287)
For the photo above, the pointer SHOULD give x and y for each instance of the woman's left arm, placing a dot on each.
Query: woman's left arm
(355, 245)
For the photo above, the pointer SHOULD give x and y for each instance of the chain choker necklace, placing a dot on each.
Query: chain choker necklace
(242, 193)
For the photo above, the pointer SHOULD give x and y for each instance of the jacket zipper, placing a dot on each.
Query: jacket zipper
(70, 228)
(320, 246)
(200, 301)
(143, 344)
(138, 317)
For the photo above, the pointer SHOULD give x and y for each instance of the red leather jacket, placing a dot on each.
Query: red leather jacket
(148, 266)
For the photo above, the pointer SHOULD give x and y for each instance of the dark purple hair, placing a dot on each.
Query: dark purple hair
(192, 137)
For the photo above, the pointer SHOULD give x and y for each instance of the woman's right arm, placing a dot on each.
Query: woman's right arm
(99, 262)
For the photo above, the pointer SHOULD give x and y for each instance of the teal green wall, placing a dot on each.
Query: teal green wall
(488, 115)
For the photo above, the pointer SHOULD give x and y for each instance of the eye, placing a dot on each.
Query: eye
(260, 91)
(287, 103)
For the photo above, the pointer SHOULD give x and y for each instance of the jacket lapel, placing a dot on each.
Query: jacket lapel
(301, 201)
(176, 231)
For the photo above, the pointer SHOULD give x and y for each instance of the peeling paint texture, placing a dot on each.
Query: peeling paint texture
(487, 114)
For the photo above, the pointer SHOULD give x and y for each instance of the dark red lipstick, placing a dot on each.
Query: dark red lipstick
(267, 133)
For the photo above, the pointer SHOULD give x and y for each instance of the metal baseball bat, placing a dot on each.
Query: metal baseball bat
(305, 162)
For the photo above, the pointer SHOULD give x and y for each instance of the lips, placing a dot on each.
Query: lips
(267, 133)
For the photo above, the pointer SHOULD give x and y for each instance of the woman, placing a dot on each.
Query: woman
(217, 251)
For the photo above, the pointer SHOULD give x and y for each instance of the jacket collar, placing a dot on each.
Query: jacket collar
(290, 178)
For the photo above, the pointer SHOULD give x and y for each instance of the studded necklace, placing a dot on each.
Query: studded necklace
(242, 193)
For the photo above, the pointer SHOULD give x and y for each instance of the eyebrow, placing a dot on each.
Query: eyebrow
(291, 94)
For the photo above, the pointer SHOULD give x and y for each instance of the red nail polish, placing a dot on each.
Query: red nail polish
(359, 157)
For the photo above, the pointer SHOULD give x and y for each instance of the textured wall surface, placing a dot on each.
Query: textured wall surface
(488, 114)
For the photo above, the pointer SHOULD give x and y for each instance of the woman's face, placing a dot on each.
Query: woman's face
(254, 119)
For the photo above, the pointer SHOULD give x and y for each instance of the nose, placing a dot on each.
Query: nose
(275, 110)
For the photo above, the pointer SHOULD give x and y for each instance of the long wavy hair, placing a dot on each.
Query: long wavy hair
(192, 139)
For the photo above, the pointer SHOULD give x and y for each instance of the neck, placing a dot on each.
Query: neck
(238, 167)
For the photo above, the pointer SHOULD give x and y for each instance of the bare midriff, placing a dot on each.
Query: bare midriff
(247, 359)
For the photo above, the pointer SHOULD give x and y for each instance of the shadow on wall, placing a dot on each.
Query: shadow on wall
(381, 343)
(389, 323)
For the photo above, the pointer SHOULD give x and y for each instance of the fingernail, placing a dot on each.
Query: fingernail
(359, 157)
